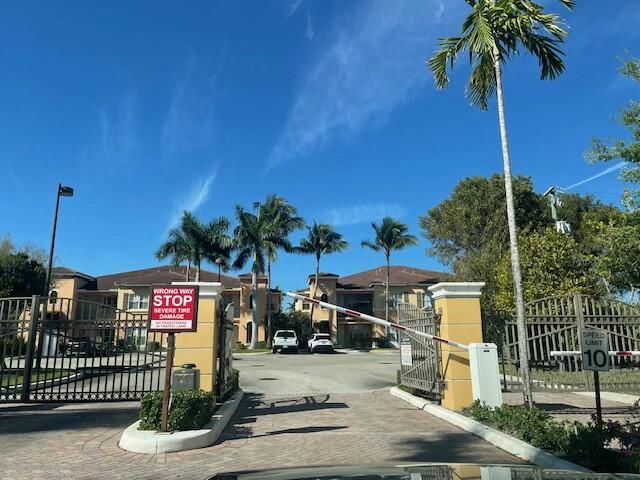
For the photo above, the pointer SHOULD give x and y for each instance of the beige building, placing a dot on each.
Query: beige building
(130, 290)
(365, 292)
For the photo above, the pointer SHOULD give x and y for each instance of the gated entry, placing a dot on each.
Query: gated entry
(60, 349)
(423, 370)
(556, 324)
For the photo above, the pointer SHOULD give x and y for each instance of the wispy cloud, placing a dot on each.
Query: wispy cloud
(362, 213)
(193, 199)
(119, 129)
(375, 61)
(189, 123)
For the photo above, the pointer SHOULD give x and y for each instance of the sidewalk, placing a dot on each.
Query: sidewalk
(578, 406)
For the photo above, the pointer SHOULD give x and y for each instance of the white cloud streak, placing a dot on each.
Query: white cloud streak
(375, 61)
(190, 202)
(362, 213)
(119, 130)
(189, 123)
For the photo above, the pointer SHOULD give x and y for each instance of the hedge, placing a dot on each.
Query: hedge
(190, 410)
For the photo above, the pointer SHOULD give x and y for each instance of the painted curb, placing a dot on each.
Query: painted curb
(503, 441)
(144, 441)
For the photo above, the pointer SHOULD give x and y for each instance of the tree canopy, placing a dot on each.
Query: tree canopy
(22, 272)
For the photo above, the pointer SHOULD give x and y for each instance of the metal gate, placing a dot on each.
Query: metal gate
(225, 377)
(60, 349)
(424, 372)
(556, 323)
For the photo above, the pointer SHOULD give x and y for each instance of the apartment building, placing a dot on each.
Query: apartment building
(365, 292)
(130, 291)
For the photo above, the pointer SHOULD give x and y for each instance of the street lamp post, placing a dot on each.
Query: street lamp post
(63, 191)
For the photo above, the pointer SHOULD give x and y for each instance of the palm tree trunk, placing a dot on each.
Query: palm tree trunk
(219, 273)
(386, 296)
(315, 290)
(254, 306)
(268, 302)
(188, 269)
(513, 240)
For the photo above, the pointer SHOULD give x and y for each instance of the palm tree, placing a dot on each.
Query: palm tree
(254, 235)
(177, 248)
(321, 239)
(390, 235)
(284, 219)
(195, 241)
(492, 33)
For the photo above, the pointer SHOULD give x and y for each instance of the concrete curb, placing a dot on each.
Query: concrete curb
(145, 441)
(505, 442)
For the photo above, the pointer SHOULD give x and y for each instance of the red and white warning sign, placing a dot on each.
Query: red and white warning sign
(173, 308)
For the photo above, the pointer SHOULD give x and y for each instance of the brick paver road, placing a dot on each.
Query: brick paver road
(268, 431)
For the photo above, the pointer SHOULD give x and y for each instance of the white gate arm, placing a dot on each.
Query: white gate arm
(376, 320)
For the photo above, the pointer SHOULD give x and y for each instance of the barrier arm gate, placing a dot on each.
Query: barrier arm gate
(483, 358)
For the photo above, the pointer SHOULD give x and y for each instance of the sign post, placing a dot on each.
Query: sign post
(172, 309)
(595, 357)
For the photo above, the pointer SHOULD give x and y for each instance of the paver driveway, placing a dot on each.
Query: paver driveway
(268, 431)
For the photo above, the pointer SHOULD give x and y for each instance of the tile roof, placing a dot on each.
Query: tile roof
(69, 272)
(161, 274)
(398, 275)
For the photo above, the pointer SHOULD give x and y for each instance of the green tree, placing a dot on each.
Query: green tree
(254, 237)
(196, 242)
(552, 264)
(390, 235)
(321, 240)
(492, 33)
(618, 254)
(284, 218)
(620, 149)
(20, 275)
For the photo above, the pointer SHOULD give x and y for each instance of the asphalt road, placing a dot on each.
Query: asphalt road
(302, 373)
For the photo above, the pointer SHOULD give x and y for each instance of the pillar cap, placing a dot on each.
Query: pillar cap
(456, 290)
(207, 289)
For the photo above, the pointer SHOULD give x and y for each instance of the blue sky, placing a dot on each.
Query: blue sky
(147, 108)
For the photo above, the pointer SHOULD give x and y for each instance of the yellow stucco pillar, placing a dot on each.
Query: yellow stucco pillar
(459, 305)
(200, 347)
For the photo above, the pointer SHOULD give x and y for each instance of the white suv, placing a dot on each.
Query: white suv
(320, 342)
(284, 340)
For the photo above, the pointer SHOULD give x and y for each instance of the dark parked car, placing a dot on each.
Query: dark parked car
(80, 347)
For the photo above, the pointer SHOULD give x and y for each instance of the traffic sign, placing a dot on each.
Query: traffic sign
(173, 308)
(595, 350)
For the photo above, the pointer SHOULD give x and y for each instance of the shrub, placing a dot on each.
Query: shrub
(190, 410)
(612, 447)
(154, 347)
(240, 346)
(261, 345)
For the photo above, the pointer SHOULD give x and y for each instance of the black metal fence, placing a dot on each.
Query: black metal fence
(60, 349)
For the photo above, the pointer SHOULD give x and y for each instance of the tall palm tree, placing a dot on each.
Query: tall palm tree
(253, 236)
(195, 242)
(321, 239)
(175, 247)
(284, 219)
(492, 33)
(390, 234)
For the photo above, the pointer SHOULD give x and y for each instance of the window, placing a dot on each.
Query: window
(424, 300)
(360, 302)
(53, 296)
(250, 301)
(306, 306)
(138, 301)
(324, 298)
(394, 299)
(136, 336)
(286, 334)
(405, 297)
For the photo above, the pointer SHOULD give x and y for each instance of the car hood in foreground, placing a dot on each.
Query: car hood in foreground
(420, 472)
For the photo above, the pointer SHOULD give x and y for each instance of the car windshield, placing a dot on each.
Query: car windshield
(285, 334)
(324, 336)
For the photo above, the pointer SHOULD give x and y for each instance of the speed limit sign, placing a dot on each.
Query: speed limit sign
(595, 350)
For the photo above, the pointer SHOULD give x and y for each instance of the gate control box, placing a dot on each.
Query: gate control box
(185, 379)
(485, 375)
